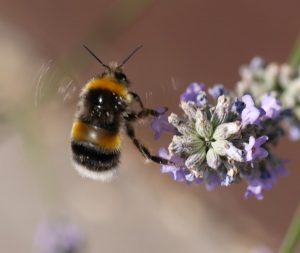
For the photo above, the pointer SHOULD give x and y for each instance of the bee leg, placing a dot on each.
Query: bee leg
(144, 110)
(137, 99)
(145, 152)
(144, 113)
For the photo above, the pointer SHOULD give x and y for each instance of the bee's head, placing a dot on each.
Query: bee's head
(113, 70)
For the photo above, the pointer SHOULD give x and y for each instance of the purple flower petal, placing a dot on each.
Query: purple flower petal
(216, 91)
(190, 177)
(257, 63)
(192, 92)
(254, 190)
(161, 124)
(250, 114)
(211, 179)
(294, 132)
(254, 150)
(238, 107)
(177, 173)
(248, 100)
(271, 106)
(262, 180)
(261, 140)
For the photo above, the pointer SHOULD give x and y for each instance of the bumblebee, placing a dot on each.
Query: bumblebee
(105, 108)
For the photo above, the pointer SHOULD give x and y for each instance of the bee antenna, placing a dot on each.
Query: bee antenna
(130, 55)
(90, 51)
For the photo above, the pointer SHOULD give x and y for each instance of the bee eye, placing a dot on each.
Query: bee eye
(120, 77)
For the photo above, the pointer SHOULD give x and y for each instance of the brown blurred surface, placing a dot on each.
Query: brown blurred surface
(183, 42)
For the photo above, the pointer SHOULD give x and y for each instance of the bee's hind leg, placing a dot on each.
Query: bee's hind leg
(145, 152)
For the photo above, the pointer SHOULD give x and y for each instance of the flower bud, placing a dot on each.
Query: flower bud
(222, 110)
(212, 159)
(226, 130)
(203, 126)
(196, 159)
(182, 126)
(189, 109)
(220, 146)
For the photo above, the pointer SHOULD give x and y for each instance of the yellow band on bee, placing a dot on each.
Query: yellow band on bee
(107, 84)
(103, 139)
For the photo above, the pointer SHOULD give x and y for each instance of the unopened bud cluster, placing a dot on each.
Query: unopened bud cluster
(283, 81)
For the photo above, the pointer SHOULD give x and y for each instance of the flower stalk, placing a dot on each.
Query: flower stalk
(292, 236)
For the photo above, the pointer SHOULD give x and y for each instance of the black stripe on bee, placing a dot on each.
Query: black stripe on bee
(92, 161)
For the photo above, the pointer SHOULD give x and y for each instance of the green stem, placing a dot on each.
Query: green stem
(292, 237)
(295, 56)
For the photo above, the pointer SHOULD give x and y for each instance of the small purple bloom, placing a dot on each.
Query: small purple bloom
(58, 237)
(271, 106)
(238, 107)
(190, 177)
(227, 180)
(161, 124)
(201, 99)
(254, 191)
(257, 186)
(294, 132)
(265, 181)
(250, 114)
(257, 63)
(216, 91)
(177, 173)
(254, 150)
(192, 92)
(211, 179)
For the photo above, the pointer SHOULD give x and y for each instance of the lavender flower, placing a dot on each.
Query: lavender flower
(238, 106)
(251, 113)
(160, 124)
(254, 150)
(58, 237)
(177, 173)
(274, 86)
(224, 143)
(192, 91)
(271, 106)
(254, 190)
(216, 91)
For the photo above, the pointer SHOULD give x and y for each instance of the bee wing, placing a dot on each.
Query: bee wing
(53, 83)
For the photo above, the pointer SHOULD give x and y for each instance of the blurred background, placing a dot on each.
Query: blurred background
(43, 66)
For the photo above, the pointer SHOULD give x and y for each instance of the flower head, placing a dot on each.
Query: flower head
(224, 143)
(276, 87)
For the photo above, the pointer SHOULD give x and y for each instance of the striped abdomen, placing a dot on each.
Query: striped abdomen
(95, 138)
(96, 151)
